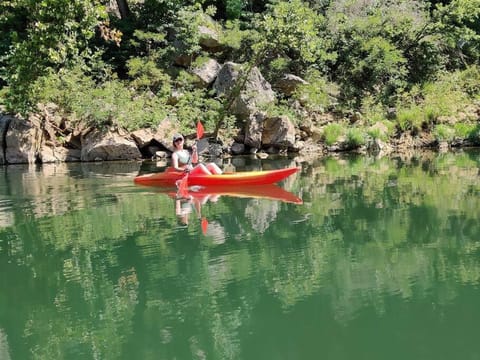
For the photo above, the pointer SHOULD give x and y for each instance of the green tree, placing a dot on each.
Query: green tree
(371, 39)
(458, 23)
(295, 32)
(46, 34)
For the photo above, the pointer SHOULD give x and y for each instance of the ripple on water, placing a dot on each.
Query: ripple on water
(6, 213)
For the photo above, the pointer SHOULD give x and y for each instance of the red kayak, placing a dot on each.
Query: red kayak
(170, 177)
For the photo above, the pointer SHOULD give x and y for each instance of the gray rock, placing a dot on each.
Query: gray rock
(209, 37)
(4, 125)
(108, 145)
(207, 72)
(254, 129)
(289, 83)
(237, 148)
(255, 92)
(278, 132)
(22, 142)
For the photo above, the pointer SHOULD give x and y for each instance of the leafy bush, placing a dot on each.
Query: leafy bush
(443, 97)
(372, 110)
(110, 103)
(3, 96)
(294, 28)
(332, 132)
(316, 95)
(443, 132)
(410, 118)
(279, 109)
(355, 138)
(276, 68)
(194, 105)
(468, 131)
(475, 135)
(469, 81)
(233, 8)
(464, 130)
(381, 130)
(146, 75)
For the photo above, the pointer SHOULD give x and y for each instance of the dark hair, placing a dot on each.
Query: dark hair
(177, 137)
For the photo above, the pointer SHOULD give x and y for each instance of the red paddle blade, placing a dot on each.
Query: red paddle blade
(204, 226)
(183, 187)
(200, 130)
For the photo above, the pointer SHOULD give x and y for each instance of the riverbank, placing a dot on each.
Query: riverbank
(47, 136)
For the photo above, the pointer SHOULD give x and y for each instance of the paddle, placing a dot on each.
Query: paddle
(183, 183)
(204, 225)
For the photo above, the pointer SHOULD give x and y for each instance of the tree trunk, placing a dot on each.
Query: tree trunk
(123, 9)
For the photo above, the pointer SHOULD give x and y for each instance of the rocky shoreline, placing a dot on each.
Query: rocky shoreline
(47, 137)
(50, 135)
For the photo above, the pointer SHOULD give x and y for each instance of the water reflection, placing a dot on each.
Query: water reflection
(100, 268)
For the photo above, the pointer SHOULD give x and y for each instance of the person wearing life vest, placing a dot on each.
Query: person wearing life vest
(182, 159)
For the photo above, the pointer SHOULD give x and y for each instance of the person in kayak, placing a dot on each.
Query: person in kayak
(182, 160)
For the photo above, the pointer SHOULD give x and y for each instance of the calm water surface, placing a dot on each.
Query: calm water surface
(381, 261)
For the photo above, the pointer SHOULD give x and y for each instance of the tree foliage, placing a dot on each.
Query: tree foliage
(52, 35)
(376, 50)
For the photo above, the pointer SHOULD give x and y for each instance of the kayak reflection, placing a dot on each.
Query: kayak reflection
(198, 196)
(212, 193)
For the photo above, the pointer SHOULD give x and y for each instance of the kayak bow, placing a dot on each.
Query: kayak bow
(171, 176)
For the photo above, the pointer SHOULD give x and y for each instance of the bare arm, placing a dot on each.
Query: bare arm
(194, 154)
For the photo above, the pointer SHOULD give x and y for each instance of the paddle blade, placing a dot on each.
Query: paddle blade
(183, 187)
(200, 130)
(204, 226)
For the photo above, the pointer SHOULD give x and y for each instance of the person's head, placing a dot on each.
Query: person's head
(177, 139)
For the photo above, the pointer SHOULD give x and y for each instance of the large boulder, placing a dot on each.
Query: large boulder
(288, 83)
(206, 72)
(209, 35)
(150, 141)
(256, 91)
(278, 132)
(5, 121)
(36, 139)
(108, 145)
(52, 154)
(22, 141)
(254, 129)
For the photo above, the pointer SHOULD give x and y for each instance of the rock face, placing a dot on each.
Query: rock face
(209, 38)
(289, 83)
(4, 125)
(152, 141)
(49, 154)
(278, 132)
(110, 145)
(254, 129)
(269, 132)
(207, 72)
(47, 137)
(22, 142)
(32, 140)
(256, 92)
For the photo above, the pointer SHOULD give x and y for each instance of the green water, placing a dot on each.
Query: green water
(381, 261)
